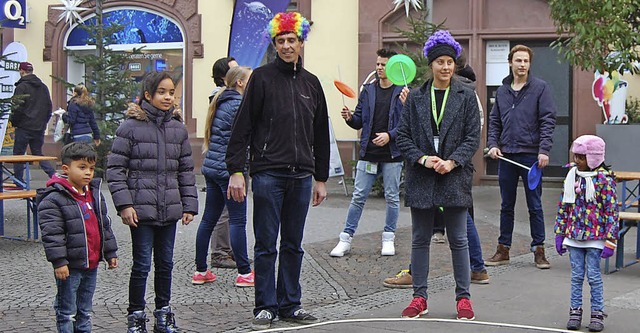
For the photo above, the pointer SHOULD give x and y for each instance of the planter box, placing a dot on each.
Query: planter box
(623, 146)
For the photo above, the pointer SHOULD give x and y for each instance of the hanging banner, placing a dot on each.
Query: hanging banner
(13, 54)
(335, 162)
(248, 42)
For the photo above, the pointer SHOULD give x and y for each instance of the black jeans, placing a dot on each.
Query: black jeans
(35, 140)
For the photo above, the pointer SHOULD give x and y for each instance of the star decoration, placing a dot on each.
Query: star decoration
(415, 3)
(70, 10)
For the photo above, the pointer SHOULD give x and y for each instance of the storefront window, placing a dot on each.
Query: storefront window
(160, 40)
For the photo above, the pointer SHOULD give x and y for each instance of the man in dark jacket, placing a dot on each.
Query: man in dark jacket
(377, 114)
(521, 127)
(30, 119)
(283, 118)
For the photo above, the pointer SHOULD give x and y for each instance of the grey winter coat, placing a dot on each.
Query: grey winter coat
(459, 140)
(63, 230)
(150, 167)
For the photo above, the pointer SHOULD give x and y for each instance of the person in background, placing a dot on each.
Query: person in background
(222, 112)
(521, 126)
(221, 252)
(438, 135)
(81, 118)
(283, 119)
(30, 118)
(587, 225)
(152, 183)
(377, 115)
(76, 234)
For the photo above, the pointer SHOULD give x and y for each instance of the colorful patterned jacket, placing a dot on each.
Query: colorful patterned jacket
(595, 220)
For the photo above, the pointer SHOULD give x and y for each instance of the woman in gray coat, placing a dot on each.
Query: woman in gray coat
(439, 133)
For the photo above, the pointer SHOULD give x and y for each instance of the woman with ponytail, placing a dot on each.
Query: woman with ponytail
(222, 111)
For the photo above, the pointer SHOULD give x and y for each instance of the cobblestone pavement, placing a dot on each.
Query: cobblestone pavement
(333, 288)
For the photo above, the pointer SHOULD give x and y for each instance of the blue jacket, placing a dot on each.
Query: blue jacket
(523, 123)
(81, 119)
(214, 165)
(362, 118)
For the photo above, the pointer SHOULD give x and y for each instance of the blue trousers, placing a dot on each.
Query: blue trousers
(508, 177)
(73, 302)
(145, 241)
(280, 204)
(586, 260)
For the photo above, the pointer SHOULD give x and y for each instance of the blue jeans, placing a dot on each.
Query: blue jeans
(586, 259)
(280, 203)
(146, 239)
(35, 140)
(363, 183)
(475, 248)
(422, 230)
(73, 300)
(216, 201)
(86, 138)
(508, 177)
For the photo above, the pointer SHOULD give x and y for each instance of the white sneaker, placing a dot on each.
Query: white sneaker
(438, 238)
(343, 247)
(388, 245)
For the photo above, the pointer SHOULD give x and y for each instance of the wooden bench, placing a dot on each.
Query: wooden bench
(22, 194)
(627, 220)
(32, 209)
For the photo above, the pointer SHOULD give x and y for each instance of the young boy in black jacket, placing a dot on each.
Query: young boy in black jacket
(76, 234)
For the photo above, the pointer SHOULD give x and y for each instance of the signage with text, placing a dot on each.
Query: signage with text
(13, 13)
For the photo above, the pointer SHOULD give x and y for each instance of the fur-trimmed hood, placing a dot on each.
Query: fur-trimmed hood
(136, 111)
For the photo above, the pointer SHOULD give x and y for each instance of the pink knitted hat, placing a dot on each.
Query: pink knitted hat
(592, 146)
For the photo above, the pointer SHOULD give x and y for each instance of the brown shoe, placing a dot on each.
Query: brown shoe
(481, 277)
(401, 280)
(539, 258)
(501, 257)
(222, 261)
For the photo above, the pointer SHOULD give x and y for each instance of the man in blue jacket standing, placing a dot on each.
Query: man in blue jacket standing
(521, 127)
(377, 114)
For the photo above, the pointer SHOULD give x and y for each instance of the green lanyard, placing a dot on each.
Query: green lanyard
(436, 118)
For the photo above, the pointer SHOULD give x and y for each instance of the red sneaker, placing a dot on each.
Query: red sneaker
(248, 281)
(465, 312)
(416, 308)
(202, 279)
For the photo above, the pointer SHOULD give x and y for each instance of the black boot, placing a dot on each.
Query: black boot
(137, 322)
(165, 321)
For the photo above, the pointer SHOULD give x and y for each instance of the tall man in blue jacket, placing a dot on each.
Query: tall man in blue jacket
(521, 127)
(283, 119)
(377, 114)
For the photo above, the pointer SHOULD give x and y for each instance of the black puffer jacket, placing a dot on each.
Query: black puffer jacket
(63, 230)
(150, 167)
(81, 119)
(35, 111)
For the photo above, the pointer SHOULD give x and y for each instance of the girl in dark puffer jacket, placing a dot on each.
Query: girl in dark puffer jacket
(151, 179)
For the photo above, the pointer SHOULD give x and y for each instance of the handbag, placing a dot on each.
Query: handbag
(59, 131)
(67, 138)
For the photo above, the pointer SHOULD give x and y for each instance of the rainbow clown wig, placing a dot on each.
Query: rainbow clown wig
(289, 22)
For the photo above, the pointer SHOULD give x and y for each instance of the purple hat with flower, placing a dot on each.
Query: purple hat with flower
(441, 43)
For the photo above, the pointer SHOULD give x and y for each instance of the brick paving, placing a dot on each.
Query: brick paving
(333, 288)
